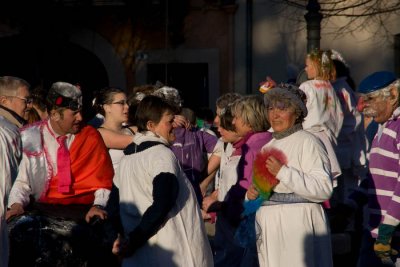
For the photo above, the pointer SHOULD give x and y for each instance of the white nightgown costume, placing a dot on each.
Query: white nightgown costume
(325, 117)
(182, 240)
(297, 233)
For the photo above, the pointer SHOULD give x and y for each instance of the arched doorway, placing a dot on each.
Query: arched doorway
(42, 63)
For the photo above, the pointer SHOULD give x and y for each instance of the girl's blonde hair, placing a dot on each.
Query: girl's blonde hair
(323, 64)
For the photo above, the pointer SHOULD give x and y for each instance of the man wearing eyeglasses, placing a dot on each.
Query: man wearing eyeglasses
(14, 99)
(67, 171)
(14, 93)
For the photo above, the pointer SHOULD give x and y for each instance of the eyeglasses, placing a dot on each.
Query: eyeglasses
(27, 100)
(122, 103)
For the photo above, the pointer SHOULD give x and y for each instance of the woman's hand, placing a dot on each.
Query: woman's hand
(252, 192)
(209, 200)
(180, 121)
(273, 165)
(118, 244)
(121, 247)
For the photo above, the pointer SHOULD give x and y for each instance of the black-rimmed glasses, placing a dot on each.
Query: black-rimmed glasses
(122, 103)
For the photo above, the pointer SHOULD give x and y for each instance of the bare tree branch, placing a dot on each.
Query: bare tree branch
(370, 15)
(355, 8)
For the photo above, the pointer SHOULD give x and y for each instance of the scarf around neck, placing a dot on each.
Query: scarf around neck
(287, 132)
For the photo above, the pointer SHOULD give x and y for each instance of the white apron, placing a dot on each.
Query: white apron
(182, 240)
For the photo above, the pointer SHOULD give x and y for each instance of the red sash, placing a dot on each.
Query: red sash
(91, 169)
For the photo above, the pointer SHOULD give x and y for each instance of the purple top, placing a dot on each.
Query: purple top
(190, 148)
(384, 190)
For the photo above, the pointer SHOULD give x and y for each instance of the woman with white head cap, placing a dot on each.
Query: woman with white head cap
(292, 227)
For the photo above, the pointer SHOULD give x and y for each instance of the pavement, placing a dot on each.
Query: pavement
(342, 247)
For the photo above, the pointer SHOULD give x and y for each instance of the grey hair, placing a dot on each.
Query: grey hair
(290, 94)
(224, 100)
(9, 85)
(384, 92)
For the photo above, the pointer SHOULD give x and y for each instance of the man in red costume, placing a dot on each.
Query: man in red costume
(91, 169)
(65, 165)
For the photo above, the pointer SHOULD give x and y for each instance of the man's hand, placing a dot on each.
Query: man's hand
(96, 210)
(15, 210)
(384, 252)
(382, 246)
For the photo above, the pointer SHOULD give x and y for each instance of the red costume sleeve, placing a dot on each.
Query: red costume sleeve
(91, 169)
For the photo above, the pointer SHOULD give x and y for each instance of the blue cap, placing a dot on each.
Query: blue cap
(376, 81)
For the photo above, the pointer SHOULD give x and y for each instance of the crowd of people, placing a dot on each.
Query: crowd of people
(278, 172)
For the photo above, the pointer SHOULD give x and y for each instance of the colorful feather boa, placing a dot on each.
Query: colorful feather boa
(265, 182)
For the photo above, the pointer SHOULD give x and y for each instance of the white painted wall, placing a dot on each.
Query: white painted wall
(277, 44)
